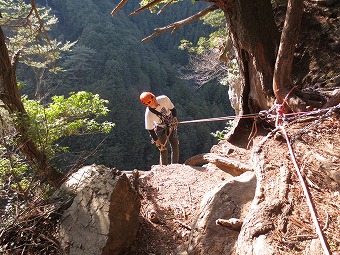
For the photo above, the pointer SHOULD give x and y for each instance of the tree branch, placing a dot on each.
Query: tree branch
(11, 98)
(227, 165)
(165, 6)
(149, 5)
(119, 6)
(178, 24)
(282, 80)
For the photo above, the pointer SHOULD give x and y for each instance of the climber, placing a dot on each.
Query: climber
(161, 122)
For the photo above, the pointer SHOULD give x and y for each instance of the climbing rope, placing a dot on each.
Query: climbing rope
(279, 123)
(218, 118)
(263, 115)
(310, 204)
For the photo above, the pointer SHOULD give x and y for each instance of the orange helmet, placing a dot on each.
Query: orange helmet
(147, 98)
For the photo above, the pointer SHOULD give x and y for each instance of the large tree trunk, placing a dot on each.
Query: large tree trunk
(12, 100)
(265, 77)
(255, 38)
(256, 44)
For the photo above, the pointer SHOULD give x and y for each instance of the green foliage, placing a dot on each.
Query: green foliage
(29, 34)
(11, 11)
(221, 135)
(14, 166)
(80, 62)
(215, 19)
(217, 38)
(232, 75)
(66, 117)
(157, 6)
(14, 171)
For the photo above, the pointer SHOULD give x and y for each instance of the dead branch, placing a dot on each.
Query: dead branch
(227, 165)
(34, 230)
(183, 225)
(41, 25)
(178, 24)
(189, 193)
(205, 67)
(118, 7)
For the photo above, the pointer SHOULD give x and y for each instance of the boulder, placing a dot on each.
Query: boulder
(103, 218)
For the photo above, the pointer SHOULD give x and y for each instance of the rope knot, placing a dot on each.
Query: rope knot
(280, 109)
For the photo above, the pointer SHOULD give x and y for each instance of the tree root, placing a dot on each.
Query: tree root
(227, 165)
(233, 223)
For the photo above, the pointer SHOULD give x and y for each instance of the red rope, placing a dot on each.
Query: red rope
(309, 201)
(280, 113)
(280, 110)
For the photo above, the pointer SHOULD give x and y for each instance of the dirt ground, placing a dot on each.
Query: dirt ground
(171, 195)
(170, 199)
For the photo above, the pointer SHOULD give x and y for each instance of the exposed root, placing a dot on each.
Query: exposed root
(233, 224)
(229, 166)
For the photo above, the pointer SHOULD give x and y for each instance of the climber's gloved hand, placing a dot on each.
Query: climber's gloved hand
(158, 143)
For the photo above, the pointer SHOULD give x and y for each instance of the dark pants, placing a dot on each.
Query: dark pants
(172, 140)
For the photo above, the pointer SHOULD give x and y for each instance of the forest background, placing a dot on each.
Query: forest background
(109, 59)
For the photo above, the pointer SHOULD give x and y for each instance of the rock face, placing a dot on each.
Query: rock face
(103, 218)
(229, 201)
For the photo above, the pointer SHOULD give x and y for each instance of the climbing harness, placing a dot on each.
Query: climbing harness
(168, 122)
(166, 119)
(162, 147)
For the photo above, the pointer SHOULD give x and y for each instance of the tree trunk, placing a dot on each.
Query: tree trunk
(283, 67)
(12, 100)
(256, 40)
(255, 37)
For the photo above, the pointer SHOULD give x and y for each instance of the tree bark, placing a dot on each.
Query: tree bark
(12, 100)
(282, 81)
(256, 38)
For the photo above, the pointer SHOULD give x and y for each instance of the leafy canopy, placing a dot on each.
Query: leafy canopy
(28, 34)
(63, 117)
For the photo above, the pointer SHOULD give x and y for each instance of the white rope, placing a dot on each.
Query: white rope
(218, 118)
